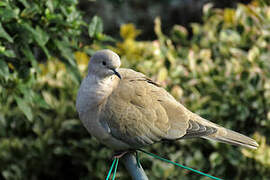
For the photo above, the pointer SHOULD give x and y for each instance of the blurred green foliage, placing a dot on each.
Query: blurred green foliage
(30, 33)
(222, 73)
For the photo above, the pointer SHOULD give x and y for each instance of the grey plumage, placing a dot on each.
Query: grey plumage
(134, 111)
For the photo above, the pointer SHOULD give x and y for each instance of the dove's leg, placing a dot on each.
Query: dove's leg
(132, 164)
(119, 154)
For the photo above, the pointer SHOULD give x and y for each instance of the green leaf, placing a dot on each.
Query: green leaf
(3, 68)
(70, 1)
(4, 34)
(8, 53)
(105, 37)
(2, 4)
(40, 101)
(69, 124)
(24, 108)
(29, 55)
(30, 12)
(95, 27)
(40, 36)
(51, 5)
(8, 14)
(25, 3)
(65, 51)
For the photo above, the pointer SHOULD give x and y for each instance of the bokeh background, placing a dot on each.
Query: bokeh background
(213, 56)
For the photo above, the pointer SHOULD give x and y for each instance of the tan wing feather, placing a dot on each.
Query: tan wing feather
(139, 112)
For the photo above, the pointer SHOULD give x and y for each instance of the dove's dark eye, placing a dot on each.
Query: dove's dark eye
(104, 63)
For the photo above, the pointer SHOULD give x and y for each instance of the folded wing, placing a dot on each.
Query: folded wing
(139, 112)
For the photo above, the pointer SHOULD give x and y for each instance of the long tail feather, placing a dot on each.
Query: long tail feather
(225, 135)
(234, 138)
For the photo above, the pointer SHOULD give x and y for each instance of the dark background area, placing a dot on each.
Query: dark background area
(142, 13)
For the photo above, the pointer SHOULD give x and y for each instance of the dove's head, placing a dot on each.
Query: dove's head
(104, 63)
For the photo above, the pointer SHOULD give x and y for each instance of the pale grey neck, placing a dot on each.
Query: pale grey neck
(91, 96)
(93, 91)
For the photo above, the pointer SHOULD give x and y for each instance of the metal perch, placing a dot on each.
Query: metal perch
(136, 171)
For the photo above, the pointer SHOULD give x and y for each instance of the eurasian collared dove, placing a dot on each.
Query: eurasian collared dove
(126, 110)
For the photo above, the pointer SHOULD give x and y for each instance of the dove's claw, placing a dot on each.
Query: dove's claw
(120, 154)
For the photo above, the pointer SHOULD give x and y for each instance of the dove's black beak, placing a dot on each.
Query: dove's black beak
(116, 73)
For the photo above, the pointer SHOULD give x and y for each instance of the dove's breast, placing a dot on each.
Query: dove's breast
(90, 99)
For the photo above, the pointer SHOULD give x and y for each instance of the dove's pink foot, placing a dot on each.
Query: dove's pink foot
(120, 154)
